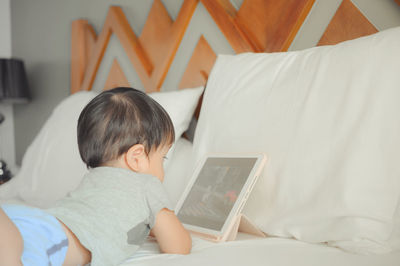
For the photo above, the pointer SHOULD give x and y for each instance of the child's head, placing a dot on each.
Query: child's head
(119, 119)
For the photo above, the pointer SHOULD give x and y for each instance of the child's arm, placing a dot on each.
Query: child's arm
(170, 233)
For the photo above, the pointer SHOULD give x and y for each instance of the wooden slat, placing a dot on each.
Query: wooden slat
(161, 37)
(397, 1)
(116, 77)
(224, 15)
(134, 49)
(348, 23)
(117, 23)
(259, 25)
(199, 66)
(152, 53)
(272, 24)
(156, 31)
(83, 38)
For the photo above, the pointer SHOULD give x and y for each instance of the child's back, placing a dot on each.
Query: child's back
(112, 211)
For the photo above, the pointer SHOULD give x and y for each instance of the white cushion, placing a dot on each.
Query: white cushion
(180, 106)
(328, 120)
(52, 166)
(178, 173)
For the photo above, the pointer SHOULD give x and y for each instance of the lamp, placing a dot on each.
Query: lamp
(14, 88)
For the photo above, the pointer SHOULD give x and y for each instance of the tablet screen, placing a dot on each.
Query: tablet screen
(215, 192)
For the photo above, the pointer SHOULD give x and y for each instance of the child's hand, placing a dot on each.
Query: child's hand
(170, 233)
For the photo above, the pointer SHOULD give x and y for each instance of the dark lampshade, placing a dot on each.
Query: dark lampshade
(14, 85)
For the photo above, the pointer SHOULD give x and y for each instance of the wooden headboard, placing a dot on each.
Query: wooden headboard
(257, 26)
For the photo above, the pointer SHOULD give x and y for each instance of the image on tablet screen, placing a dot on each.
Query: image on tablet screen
(215, 192)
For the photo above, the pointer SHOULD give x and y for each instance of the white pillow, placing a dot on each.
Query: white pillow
(52, 167)
(328, 119)
(178, 173)
(180, 106)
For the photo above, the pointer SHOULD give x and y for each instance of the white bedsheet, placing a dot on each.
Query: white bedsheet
(247, 250)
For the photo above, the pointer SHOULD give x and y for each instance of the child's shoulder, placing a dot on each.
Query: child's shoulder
(105, 174)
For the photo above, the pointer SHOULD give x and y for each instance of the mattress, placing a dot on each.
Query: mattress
(248, 250)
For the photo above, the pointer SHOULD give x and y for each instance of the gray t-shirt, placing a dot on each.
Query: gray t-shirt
(112, 212)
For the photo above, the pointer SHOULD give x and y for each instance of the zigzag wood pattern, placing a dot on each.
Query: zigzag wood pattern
(348, 23)
(259, 25)
(116, 77)
(152, 53)
(83, 38)
(198, 68)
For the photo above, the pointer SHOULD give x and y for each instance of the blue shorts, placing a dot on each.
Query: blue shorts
(45, 242)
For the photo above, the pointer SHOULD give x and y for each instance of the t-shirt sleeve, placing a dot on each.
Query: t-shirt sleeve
(157, 199)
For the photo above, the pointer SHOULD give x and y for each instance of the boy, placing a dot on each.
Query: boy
(123, 137)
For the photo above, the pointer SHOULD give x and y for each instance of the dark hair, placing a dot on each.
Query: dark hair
(117, 119)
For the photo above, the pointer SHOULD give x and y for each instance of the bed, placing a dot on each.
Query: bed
(327, 117)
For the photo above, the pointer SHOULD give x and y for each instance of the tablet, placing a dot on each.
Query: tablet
(217, 192)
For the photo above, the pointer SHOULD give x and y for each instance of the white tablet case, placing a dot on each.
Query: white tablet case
(242, 224)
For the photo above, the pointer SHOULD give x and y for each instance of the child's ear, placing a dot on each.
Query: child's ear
(136, 158)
